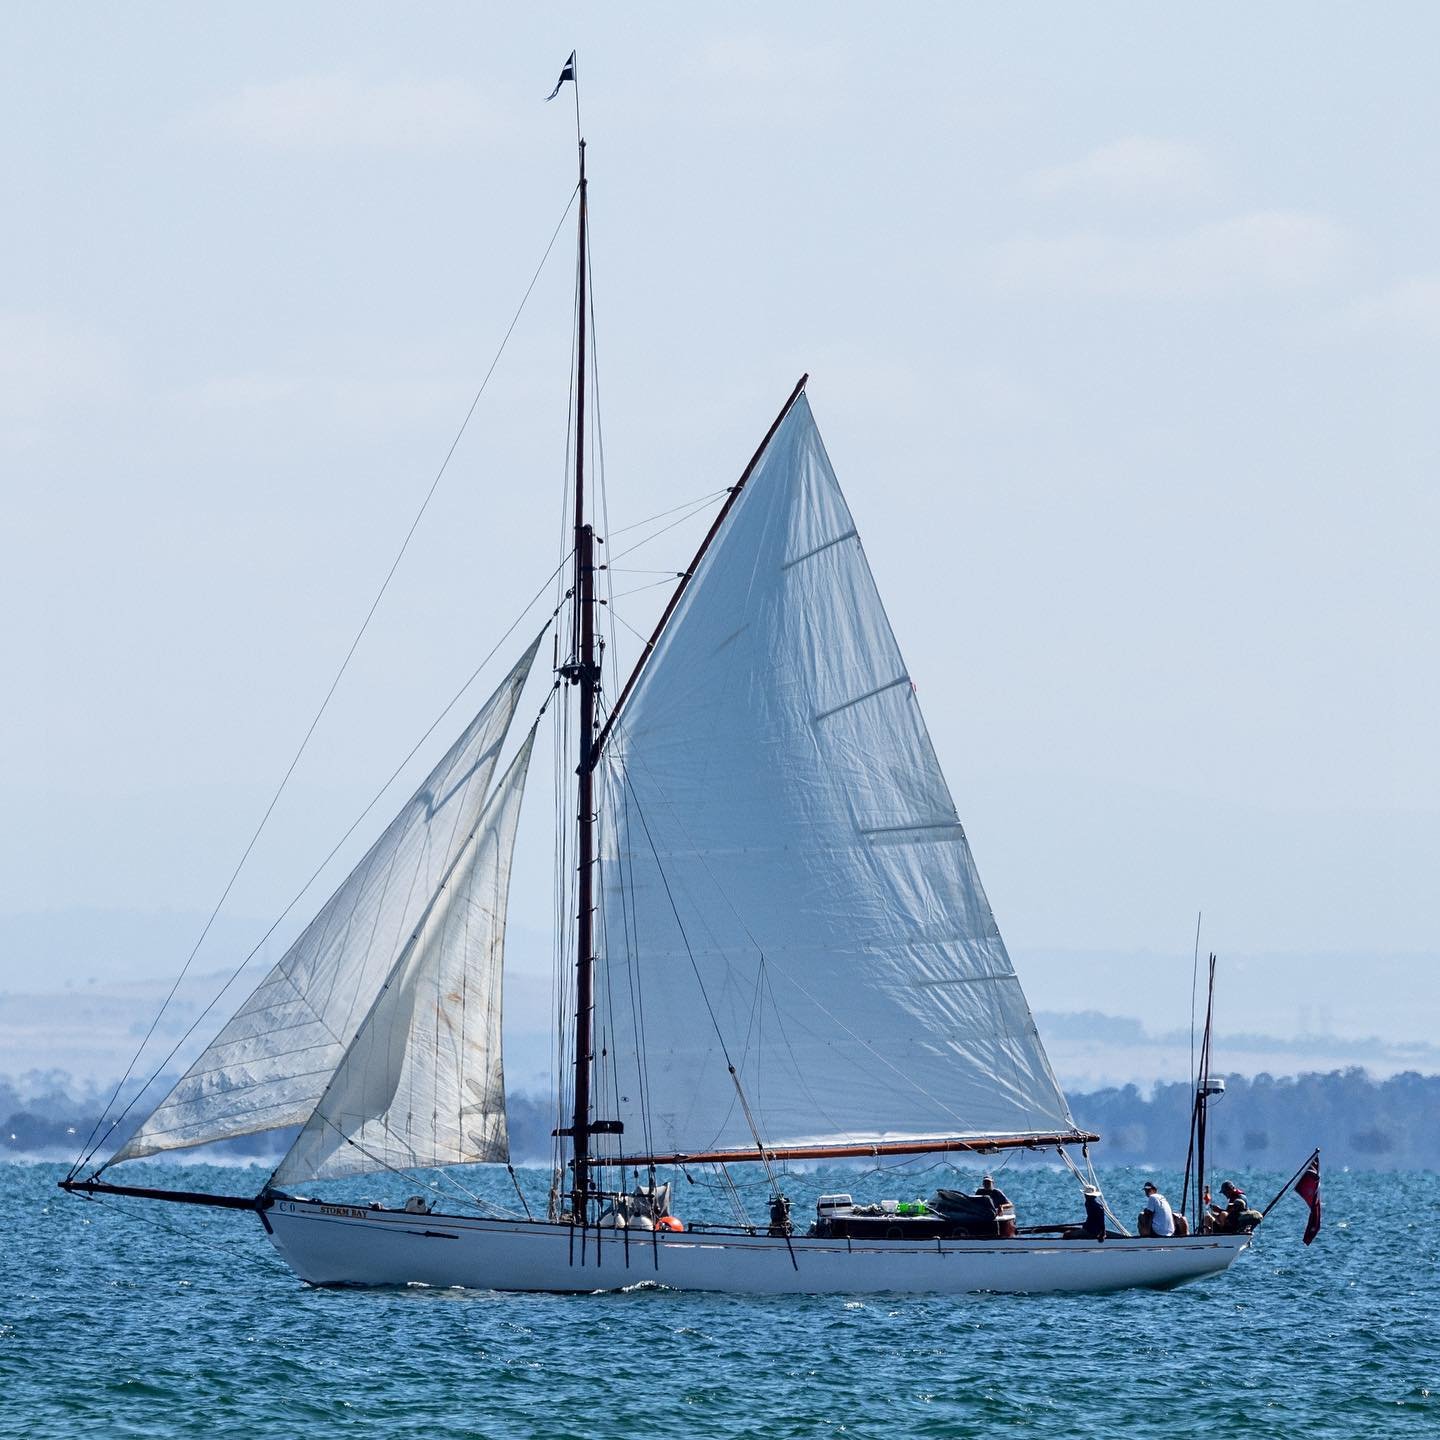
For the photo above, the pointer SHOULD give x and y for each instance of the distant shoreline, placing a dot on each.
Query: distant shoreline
(1358, 1121)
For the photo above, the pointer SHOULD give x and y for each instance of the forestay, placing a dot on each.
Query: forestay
(786, 884)
(423, 1083)
(270, 1064)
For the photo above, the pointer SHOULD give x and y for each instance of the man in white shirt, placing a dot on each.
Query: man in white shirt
(1157, 1212)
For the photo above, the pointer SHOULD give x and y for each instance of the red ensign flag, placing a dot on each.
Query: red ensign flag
(1307, 1187)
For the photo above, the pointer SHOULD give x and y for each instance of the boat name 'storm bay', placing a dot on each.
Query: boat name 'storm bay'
(779, 948)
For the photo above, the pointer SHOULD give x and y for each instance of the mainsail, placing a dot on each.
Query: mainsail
(787, 887)
(422, 1083)
(273, 1060)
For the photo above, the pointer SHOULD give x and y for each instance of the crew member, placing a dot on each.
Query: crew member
(1230, 1220)
(1094, 1226)
(1156, 1218)
(989, 1191)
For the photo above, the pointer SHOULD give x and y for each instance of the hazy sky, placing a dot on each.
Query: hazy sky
(1123, 330)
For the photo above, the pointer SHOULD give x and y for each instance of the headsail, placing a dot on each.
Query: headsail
(423, 1083)
(783, 855)
(272, 1061)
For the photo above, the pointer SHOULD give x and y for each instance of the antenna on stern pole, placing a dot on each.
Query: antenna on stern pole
(1207, 1087)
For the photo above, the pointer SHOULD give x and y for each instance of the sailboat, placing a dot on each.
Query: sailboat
(778, 942)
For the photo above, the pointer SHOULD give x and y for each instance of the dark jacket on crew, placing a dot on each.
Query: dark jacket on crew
(1094, 1227)
(1232, 1221)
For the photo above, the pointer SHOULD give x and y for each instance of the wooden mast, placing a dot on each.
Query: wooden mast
(584, 671)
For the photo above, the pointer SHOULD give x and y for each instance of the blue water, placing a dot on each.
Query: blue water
(174, 1321)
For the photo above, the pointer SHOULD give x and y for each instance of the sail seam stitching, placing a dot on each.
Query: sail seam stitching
(903, 829)
(850, 534)
(860, 699)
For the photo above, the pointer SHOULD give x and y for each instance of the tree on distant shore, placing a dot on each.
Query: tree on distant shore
(1390, 1124)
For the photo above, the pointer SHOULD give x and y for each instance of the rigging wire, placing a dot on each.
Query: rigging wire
(699, 979)
(485, 1207)
(670, 577)
(908, 1166)
(1090, 1180)
(680, 925)
(334, 685)
(761, 1182)
(93, 1144)
(139, 1218)
(564, 823)
(689, 515)
(631, 628)
(515, 1181)
(398, 966)
(737, 1201)
(795, 1066)
(1194, 981)
(631, 921)
(784, 973)
(607, 1054)
(598, 433)
(629, 927)
(661, 514)
(629, 918)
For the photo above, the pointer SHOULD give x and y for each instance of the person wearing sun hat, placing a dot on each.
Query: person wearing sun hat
(1094, 1226)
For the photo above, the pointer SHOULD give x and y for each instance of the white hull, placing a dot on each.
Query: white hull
(348, 1245)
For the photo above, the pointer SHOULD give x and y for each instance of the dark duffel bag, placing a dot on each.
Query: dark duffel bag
(970, 1210)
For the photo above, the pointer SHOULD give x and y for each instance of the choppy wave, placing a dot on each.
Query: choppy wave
(169, 1321)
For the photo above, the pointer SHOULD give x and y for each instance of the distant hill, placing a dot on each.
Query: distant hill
(1391, 1124)
(1091, 1051)
(92, 1030)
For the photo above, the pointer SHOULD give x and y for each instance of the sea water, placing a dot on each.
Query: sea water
(133, 1318)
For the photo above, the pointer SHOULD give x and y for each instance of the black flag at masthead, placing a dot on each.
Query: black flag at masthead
(567, 73)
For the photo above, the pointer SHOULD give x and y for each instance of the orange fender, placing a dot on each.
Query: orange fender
(668, 1222)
